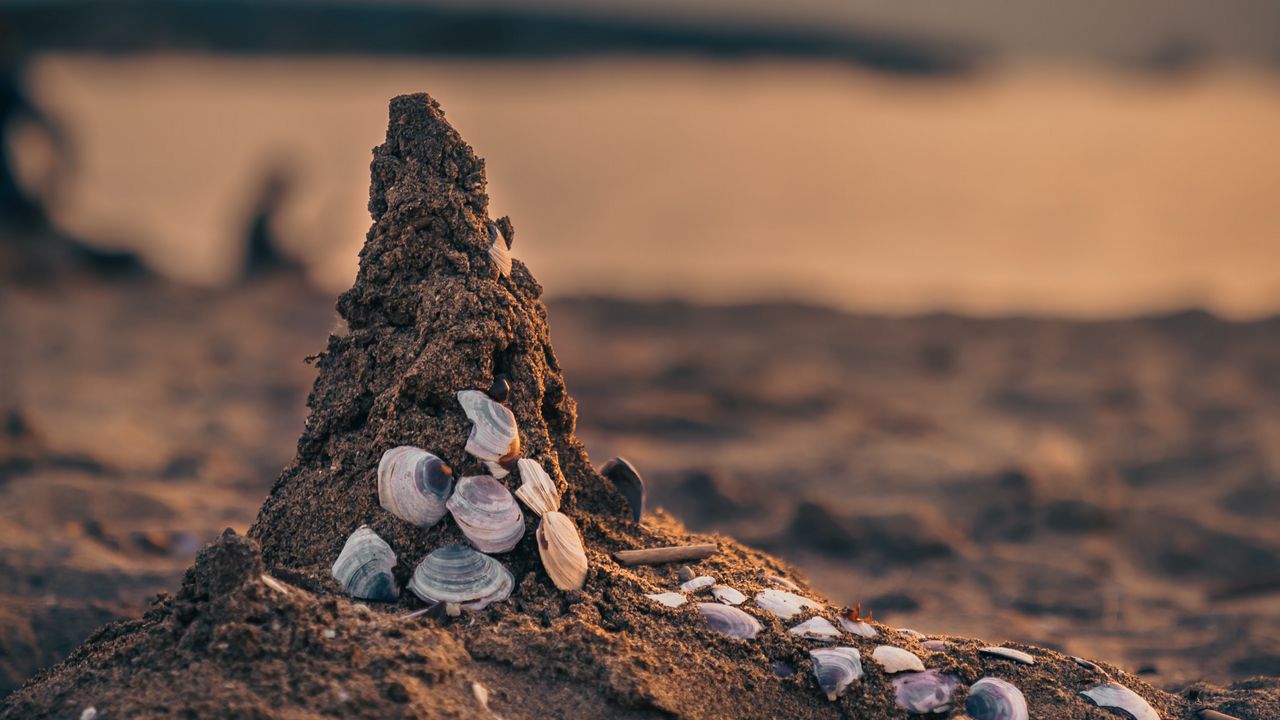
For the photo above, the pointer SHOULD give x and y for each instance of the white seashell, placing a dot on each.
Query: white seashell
(784, 604)
(537, 490)
(995, 699)
(670, 599)
(499, 253)
(896, 660)
(1009, 654)
(816, 628)
(414, 485)
(364, 567)
(727, 595)
(698, 583)
(729, 620)
(912, 633)
(495, 437)
(858, 627)
(487, 514)
(458, 575)
(560, 547)
(836, 669)
(1118, 697)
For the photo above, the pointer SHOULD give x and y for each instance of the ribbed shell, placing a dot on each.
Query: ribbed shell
(458, 574)
(1119, 697)
(925, 692)
(499, 253)
(414, 485)
(836, 669)
(487, 514)
(364, 567)
(995, 699)
(560, 547)
(537, 490)
(729, 620)
(495, 437)
(784, 604)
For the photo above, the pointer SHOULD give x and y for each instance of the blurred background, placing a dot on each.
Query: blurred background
(969, 310)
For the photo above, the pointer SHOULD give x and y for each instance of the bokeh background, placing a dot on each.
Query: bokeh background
(967, 309)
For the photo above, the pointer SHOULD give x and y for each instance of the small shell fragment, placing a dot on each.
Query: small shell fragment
(698, 583)
(414, 485)
(995, 699)
(537, 490)
(784, 604)
(495, 437)
(627, 480)
(487, 514)
(560, 547)
(858, 627)
(1086, 664)
(836, 669)
(727, 595)
(457, 574)
(364, 567)
(816, 628)
(499, 253)
(935, 645)
(729, 620)
(1008, 654)
(670, 599)
(930, 691)
(896, 660)
(1114, 696)
(911, 633)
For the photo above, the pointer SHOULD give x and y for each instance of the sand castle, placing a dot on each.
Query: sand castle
(262, 627)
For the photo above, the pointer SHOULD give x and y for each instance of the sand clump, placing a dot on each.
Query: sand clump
(259, 629)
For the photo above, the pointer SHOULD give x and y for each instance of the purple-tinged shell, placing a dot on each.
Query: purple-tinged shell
(1009, 654)
(487, 514)
(935, 645)
(458, 574)
(995, 699)
(495, 437)
(364, 567)
(782, 669)
(627, 480)
(925, 692)
(836, 669)
(414, 485)
(729, 620)
(1114, 696)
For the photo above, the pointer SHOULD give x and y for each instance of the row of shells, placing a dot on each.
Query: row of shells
(917, 689)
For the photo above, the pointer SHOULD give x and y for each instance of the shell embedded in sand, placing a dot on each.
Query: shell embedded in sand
(925, 692)
(459, 574)
(936, 645)
(670, 599)
(784, 604)
(1008, 654)
(698, 583)
(816, 628)
(560, 547)
(364, 567)
(727, 595)
(1115, 696)
(896, 660)
(858, 627)
(995, 699)
(495, 437)
(627, 480)
(414, 485)
(499, 253)
(537, 490)
(836, 669)
(729, 620)
(487, 514)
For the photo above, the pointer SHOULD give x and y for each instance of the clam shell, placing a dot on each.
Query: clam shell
(936, 645)
(495, 437)
(670, 599)
(816, 628)
(537, 490)
(624, 476)
(995, 699)
(698, 583)
(729, 620)
(364, 567)
(1114, 696)
(487, 514)
(784, 604)
(925, 692)
(560, 547)
(858, 627)
(458, 574)
(414, 485)
(727, 595)
(499, 253)
(836, 669)
(896, 660)
(1009, 654)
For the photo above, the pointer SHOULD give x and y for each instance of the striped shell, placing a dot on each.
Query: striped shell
(836, 669)
(930, 691)
(458, 574)
(560, 547)
(487, 514)
(537, 490)
(495, 437)
(499, 253)
(995, 699)
(414, 485)
(729, 620)
(364, 567)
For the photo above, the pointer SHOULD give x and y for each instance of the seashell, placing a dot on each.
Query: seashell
(499, 252)
(781, 582)
(500, 390)
(698, 583)
(925, 692)
(623, 475)
(935, 645)
(495, 437)
(836, 669)
(670, 599)
(729, 620)
(458, 574)
(487, 514)
(414, 485)
(816, 628)
(858, 627)
(995, 699)
(727, 595)
(1008, 654)
(560, 547)
(1086, 664)
(685, 573)
(911, 633)
(364, 567)
(784, 604)
(537, 490)
(896, 660)
(1114, 696)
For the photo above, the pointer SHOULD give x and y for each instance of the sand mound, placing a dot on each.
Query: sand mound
(259, 629)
